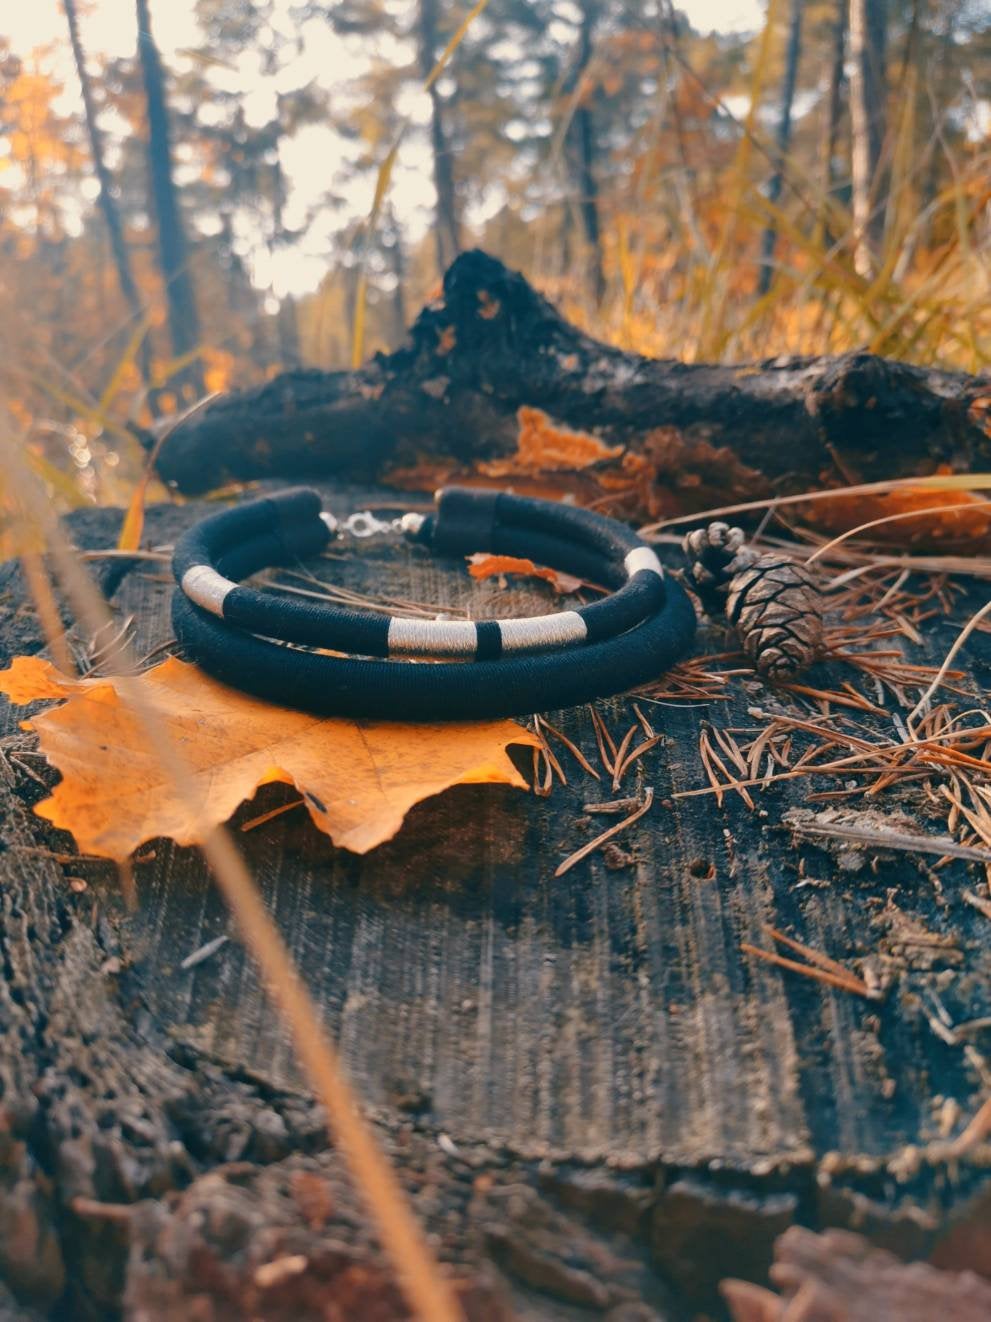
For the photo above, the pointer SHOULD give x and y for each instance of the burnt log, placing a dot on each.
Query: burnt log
(492, 345)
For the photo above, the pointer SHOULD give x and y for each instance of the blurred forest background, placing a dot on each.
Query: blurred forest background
(174, 222)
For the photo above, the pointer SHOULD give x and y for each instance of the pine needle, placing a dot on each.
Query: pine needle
(843, 981)
(600, 840)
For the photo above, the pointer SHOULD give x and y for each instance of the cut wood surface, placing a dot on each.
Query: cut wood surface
(689, 435)
(595, 1098)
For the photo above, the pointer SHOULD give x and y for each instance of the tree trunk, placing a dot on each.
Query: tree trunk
(183, 317)
(831, 121)
(584, 153)
(397, 254)
(868, 33)
(108, 203)
(689, 435)
(287, 326)
(447, 231)
(783, 144)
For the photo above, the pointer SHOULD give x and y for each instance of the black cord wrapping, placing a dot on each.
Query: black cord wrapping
(633, 636)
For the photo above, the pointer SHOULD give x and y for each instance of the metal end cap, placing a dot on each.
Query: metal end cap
(411, 524)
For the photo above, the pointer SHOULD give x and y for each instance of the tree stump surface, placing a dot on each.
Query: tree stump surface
(599, 1104)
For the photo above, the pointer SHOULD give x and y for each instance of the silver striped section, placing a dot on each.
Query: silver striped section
(542, 631)
(642, 557)
(432, 638)
(207, 588)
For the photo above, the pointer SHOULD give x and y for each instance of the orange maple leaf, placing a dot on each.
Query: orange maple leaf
(358, 779)
(482, 565)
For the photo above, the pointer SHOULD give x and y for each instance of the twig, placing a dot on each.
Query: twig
(884, 838)
(615, 806)
(593, 845)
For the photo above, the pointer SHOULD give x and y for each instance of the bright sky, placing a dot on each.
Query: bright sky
(313, 158)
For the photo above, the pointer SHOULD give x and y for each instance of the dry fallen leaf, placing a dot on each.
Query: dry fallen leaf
(543, 446)
(928, 517)
(482, 565)
(358, 778)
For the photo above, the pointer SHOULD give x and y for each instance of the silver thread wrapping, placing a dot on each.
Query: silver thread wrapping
(775, 605)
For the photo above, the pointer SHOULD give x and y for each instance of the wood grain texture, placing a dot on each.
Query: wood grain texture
(662, 1105)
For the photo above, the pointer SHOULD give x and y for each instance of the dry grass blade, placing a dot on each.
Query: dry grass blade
(427, 1290)
(961, 638)
(645, 725)
(542, 780)
(49, 616)
(134, 520)
(936, 482)
(902, 515)
(600, 840)
(572, 748)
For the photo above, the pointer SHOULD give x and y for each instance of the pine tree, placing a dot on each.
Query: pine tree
(106, 197)
(173, 248)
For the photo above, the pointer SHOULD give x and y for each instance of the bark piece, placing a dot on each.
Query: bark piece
(694, 435)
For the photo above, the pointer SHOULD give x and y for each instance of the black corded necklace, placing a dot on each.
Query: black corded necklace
(502, 667)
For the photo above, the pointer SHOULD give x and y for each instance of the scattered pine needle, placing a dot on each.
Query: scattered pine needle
(820, 966)
(573, 749)
(269, 816)
(976, 1131)
(600, 840)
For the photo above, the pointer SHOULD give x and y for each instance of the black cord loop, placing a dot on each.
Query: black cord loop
(507, 667)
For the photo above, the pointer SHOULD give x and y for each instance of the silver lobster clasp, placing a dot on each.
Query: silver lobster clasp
(363, 523)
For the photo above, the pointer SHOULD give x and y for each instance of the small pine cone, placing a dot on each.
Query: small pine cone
(777, 610)
(715, 554)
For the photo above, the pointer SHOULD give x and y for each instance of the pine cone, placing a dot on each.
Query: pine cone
(775, 605)
(715, 554)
